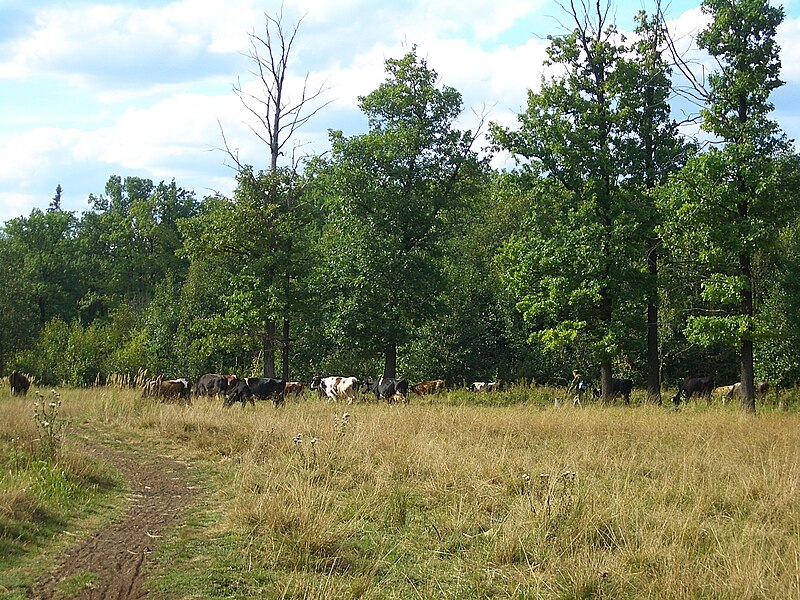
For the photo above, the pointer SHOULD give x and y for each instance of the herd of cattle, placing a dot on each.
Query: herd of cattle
(347, 389)
(247, 389)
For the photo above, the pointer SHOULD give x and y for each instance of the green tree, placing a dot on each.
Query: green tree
(44, 246)
(129, 242)
(653, 150)
(576, 271)
(279, 116)
(259, 236)
(729, 200)
(393, 195)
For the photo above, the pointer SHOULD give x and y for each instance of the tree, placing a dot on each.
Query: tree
(732, 195)
(654, 150)
(576, 272)
(55, 203)
(44, 243)
(393, 194)
(279, 117)
(258, 237)
(129, 242)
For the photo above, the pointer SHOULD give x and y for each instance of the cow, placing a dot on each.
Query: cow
(483, 386)
(335, 388)
(19, 383)
(723, 391)
(211, 384)
(293, 388)
(759, 387)
(424, 388)
(268, 388)
(701, 386)
(239, 392)
(619, 387)
(175, 390)
(387, 389)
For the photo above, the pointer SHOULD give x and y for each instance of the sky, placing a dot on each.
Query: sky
(91, 89)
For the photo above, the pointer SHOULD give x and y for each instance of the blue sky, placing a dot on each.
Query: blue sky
(90, 89)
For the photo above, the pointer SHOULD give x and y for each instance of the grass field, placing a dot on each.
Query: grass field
(512, 498)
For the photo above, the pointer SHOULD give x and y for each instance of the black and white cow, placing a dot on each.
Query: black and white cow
(211, 384)
(387, 389)
(264, 388)
(483, 386)
(335, 388)
(700, 386)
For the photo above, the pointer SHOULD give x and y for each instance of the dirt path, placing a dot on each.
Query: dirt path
(115, 556)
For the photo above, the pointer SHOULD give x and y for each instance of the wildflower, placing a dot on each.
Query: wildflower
(346, 416)
(313, 441)
(52, 405)
(298, 439)
(526, 478)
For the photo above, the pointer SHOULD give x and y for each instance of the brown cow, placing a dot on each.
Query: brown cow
(176, 389)
(294, 388)
(171, 390)
(432, 386)
(19, 383)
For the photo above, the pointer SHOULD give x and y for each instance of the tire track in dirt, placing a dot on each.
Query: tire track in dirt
(116, 555)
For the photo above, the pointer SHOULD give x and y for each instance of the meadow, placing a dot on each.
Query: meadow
(441, 498)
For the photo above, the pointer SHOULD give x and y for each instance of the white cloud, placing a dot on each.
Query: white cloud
(120, 46)
(26, 157)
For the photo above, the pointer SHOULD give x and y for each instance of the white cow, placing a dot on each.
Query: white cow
(336, 388)
(483, 386)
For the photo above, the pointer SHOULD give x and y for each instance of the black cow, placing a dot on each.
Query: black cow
(262, 388)
(19, 384)
(619, 387)
(701, 386)
(268, 388)
(387, 388)
(239, 392)
(211, 384)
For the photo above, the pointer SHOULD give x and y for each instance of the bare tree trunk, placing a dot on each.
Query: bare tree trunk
(390, 364)
(653, 359)
(605, 379)
(747, 390)
(285, 340)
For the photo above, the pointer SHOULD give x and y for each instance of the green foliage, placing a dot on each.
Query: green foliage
(578, 269)
(725, 209)
(708, 330)
(401, 238)
(396, 189)
(257, 247)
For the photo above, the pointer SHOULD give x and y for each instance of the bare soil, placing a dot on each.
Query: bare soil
(112, 560)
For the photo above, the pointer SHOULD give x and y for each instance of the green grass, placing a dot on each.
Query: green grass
(445, 499)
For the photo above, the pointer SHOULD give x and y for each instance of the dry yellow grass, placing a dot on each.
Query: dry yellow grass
(435, 500)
